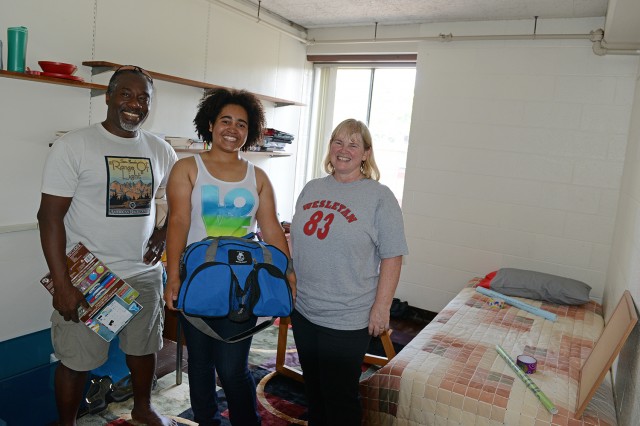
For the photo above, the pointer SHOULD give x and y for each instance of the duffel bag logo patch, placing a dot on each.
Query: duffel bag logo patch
(240, 257)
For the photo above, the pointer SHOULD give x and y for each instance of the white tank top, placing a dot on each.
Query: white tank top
(220, 208)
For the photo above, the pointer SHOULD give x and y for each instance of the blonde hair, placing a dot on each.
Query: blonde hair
(353, 127)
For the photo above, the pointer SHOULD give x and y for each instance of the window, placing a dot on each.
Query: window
(380, 96)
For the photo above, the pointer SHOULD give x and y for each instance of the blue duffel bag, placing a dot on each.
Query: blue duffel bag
(233, 277)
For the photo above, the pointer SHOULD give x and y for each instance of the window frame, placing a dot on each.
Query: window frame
(322, 109)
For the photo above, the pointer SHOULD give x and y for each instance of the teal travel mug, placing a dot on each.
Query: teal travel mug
(16, 48)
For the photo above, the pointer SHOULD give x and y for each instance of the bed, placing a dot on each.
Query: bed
(451, 373)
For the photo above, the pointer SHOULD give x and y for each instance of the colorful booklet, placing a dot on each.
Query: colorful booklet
(111, 300)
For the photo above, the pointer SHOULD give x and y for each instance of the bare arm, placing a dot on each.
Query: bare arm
(387, 283)
(53, 236)
(179, 188)
(272, 231)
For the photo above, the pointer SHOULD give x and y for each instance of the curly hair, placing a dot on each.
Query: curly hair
(352, 128)
(215, 99)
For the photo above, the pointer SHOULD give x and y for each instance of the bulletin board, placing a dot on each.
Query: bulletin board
(605, 351)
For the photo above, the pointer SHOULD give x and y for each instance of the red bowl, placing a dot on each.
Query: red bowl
(57, 67)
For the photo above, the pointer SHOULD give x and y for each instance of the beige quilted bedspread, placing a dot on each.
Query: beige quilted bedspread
(451, 374)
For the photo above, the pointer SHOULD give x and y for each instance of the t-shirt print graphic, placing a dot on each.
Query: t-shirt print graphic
(130, 186)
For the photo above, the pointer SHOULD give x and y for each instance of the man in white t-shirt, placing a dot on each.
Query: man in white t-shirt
(98, 188)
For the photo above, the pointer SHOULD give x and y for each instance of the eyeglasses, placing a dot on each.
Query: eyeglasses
(135, 68)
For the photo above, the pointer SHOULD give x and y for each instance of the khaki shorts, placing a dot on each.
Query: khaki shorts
(80, 349)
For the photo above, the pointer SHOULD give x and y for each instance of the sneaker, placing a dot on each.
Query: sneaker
(96, 398)
(123, 389)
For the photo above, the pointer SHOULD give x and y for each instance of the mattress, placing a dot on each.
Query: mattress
(451, 373)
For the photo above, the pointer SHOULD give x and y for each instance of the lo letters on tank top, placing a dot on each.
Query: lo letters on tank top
(220, 208)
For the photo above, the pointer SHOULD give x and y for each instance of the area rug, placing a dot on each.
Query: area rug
(281, 400)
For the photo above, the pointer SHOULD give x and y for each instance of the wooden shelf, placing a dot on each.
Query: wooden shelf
(103, 66)
(95, 88)
(269, 153)
(259, 153)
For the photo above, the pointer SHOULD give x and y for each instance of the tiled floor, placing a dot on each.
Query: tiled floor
(404, 329)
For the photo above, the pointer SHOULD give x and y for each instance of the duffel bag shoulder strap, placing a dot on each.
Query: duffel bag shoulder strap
(202, 326)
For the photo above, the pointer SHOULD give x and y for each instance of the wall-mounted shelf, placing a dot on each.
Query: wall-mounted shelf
(259, 153)
(98, 89)
(269, 153)
(103, 66)
(54, 80)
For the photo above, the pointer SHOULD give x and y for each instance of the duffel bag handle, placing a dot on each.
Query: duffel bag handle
(210, 256)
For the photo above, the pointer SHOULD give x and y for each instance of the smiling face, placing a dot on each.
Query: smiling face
(346, 153)
(128, 105)
(230, 129)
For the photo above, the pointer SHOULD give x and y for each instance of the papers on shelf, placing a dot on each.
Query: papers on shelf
(184, 143)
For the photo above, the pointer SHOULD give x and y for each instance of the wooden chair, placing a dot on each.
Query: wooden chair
(296, 374)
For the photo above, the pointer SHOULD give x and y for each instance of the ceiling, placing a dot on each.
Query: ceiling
(333, 13)
(621, 25)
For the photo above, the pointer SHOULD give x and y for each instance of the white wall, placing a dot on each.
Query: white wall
(624, 270)
(515, 155)
(523, 154)
(515, 158)
(193, 39)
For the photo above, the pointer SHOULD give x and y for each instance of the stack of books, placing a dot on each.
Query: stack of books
(274, 140)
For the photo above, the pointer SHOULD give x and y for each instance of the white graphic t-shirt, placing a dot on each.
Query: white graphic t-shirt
(112, 181)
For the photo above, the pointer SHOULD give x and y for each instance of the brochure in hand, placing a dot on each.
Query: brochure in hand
(111, 299)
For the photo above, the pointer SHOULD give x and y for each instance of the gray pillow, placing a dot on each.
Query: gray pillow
(540, 286)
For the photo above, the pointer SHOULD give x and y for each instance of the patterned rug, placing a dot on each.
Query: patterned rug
(281, 400)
